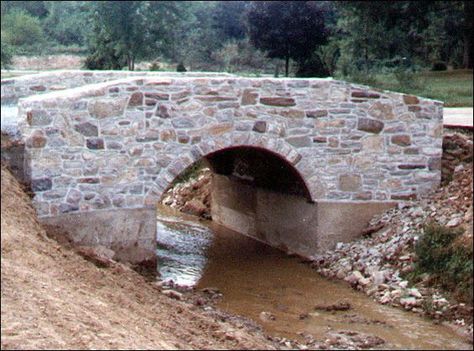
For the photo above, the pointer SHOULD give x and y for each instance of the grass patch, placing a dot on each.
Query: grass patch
(442, 253)
(454, 88)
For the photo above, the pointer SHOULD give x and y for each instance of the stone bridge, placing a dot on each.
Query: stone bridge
(300, 164)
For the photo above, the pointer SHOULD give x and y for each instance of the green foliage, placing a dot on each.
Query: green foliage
(228, 19)
(6, 54)
(181, 68)
(67, 22)
(240, 56)
(312, 67)
(287, 29)
(33, 8)
(21, 30)
(440, 254)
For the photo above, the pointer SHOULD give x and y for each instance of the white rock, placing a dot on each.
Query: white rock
(403, 284)
(454, 222)
(415, 293)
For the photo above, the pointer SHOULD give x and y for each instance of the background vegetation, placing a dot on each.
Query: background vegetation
(398, 45)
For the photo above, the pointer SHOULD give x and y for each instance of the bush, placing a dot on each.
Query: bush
(312, 67)
(22, 30)
(181, 68)
(450, 263)
(7, 55)
(439, 66)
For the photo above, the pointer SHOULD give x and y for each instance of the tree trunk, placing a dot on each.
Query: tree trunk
(287, 64)
(467, 29)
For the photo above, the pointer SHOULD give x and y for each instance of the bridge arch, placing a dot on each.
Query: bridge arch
(279, 156)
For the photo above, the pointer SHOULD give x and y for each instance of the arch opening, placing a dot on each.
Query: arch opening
(260, 168)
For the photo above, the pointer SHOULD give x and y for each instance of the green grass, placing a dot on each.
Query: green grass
(446, 255)
(454, 88)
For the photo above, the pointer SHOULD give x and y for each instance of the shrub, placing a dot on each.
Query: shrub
(181, 68)
(21, 29)
(6, 55)
(439, 66)
(450, 262)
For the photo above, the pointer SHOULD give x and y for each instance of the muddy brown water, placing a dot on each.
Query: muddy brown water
(255, 278)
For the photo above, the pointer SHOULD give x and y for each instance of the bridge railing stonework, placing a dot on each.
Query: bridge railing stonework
(13, 89)
(118, 145)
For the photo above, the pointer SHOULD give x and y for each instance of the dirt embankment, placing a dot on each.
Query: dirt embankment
(52, 297)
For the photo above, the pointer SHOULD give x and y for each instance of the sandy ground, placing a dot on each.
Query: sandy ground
(53, 298)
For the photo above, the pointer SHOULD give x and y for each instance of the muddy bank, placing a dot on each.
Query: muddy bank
(52, 297)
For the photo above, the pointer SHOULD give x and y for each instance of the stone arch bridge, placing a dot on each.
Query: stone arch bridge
(300, 164)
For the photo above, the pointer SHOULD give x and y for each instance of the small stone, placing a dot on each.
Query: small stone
(370, 125)
(249, 97)
(454, 222)
(277, 101)
(136, 99)
(410, 99)
(316, 113)
(95, 143)
(87, 129)
(402, 140)
(38, 88)
(415, 293)
(172, 294)
(260, 126)
(350, 182)
(41, 184)
(36, 140)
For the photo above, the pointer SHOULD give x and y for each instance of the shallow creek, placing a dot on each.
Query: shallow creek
(254, 277)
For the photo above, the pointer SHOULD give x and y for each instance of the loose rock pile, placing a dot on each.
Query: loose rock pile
(193, 196)
(457, 148)
(376, 264)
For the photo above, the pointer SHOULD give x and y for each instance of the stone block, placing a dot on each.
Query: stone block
(402, 140)
(277, 101)
(350, 182)
(370, 125)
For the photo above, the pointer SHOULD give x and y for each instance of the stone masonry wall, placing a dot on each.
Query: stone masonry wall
(13, 89)
(119, 144)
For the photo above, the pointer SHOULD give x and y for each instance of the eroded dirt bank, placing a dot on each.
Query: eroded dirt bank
(54, 298)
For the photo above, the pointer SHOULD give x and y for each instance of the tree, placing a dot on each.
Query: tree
(229, 20)
(131, 29)
(287, 29)
(67, 21)
(21, 29)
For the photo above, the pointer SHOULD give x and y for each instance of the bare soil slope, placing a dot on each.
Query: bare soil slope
(53, 298)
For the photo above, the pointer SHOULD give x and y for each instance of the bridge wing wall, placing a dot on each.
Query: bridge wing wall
(119, 144)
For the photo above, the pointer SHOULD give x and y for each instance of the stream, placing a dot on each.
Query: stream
(254, 278)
